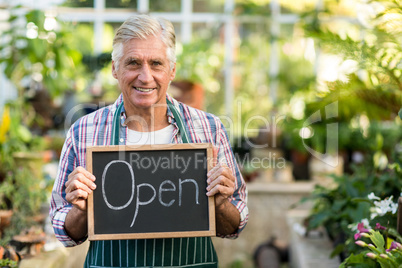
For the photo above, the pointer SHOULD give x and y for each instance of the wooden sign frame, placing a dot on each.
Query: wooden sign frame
(124, 148)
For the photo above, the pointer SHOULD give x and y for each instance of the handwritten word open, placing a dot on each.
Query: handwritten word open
(165, 186)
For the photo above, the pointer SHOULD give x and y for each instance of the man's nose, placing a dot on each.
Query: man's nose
(145, 74)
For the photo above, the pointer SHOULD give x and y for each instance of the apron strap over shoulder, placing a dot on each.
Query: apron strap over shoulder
(176, 114)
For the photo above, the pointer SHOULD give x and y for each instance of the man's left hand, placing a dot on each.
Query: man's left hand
(221, 182)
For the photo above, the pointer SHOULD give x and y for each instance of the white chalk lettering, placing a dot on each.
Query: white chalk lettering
(181, 190)
(132, 185)
(139, 203)
(165, 186)
(161, 190)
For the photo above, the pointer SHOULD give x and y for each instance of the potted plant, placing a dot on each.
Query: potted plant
(23, 188)
(36, 59)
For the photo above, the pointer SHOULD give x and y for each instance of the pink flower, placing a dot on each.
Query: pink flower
(361, 243)
(394, 245)
(357, 235)
(361, 229)
(371, 255)
(380, 227)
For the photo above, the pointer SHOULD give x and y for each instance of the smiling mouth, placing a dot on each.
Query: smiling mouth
(140, 89)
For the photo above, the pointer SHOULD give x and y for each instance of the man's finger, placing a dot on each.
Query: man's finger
(77, 185)
(222, 190)
(219, 170)
(222, 180)
(83, 179)
(76, 195)
(81, 170)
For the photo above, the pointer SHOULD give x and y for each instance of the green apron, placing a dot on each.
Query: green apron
(165, 252)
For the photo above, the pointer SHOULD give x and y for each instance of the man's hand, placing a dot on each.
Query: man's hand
(79, 185)
(221, 184)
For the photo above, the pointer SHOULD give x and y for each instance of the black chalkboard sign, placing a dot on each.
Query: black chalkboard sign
(150, 191)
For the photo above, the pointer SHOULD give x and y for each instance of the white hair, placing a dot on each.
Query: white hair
(141, 26)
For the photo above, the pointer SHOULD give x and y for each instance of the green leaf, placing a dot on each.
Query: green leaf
(319, 218)
(385, 263)
(361, 199)
(359, 260)
(395, 234)
(338, 249)
(400, 113)
(379, 141)
(378, 240)
(24, 134)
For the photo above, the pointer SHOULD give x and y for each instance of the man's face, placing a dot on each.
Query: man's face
(144, 74)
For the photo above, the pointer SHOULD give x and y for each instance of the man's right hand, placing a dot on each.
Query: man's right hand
(79, 185)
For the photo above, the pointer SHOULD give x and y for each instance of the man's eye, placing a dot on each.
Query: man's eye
(156, 63)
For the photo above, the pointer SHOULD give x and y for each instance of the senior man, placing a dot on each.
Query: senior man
(144, 64)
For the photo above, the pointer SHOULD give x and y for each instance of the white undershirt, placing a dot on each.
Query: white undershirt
(162, 136)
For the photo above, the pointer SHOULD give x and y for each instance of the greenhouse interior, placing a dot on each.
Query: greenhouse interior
(307, 94)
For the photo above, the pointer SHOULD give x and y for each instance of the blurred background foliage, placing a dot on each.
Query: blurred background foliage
(333, 52)
(346, 52)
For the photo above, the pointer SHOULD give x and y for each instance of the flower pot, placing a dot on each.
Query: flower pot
(32, 160)
(5, 219)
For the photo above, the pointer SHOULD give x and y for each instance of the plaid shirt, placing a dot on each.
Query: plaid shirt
(96, 129)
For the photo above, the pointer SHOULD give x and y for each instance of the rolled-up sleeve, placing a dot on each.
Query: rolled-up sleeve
(239, 197)
(59, 207)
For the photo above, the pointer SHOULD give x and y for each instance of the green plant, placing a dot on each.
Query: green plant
(35, 53)
(16, 137)
(357, 196)
(25, 192)
(382, 246)
(7, 263)
(381, 249)
(201, 62)
(38, 59)
(22, 187)
(379, 245)
(337, 207)
(374, 86)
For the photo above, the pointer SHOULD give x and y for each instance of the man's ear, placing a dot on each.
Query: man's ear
(114, 71)
(173, 75)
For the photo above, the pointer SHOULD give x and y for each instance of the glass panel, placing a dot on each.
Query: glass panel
(214, 6)
(207, 30)
(109, 3)
(165, 6)
(115, 25)
(252, 8)
(247, 29)
(108, 35)
(79, 3)
(177, 29)
(121, 4)
(201, 62)
(83, 38)
(251, 76)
